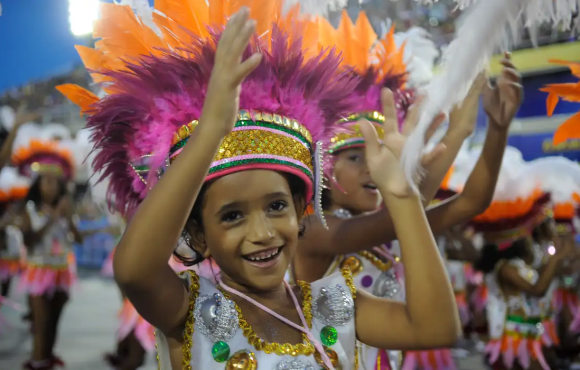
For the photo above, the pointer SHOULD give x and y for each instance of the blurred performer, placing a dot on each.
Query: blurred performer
(47, 223)
(517, 291)
(13, 188)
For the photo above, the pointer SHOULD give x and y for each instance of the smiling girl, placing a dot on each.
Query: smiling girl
(233, 125)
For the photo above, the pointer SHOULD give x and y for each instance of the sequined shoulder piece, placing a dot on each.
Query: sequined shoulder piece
(189, 324)
(334, 305)
(216, 317)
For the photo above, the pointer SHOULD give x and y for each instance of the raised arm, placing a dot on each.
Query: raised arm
(363, 232)
(140, 261)
(429, 317)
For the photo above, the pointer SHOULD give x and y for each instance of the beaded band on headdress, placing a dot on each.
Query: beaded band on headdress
(351, 136)
(40, 157)
(257, 138)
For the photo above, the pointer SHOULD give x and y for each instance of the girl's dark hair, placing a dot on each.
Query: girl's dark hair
(491, 255)
(542, 231)
(297, 188)
(35, 196)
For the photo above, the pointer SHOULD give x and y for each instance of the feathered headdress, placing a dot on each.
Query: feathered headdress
(519, 203)
(13, 187)
(570, 129)
(156, 87)
(560, 177)
(378, 63)
(43, 157)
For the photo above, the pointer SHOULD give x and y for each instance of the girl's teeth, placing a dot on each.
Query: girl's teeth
(270, 254)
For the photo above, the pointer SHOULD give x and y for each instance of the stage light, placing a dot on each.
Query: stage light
(82, 14)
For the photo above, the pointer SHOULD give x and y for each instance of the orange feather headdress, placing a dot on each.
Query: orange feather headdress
(43, 157)
(379, 63)
(570, 129)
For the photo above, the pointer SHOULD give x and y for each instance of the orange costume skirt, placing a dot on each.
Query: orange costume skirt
(9, 267)
(438, 359)
(39, 280)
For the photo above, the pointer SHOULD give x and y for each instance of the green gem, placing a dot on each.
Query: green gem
(220, 351)
(328, 335)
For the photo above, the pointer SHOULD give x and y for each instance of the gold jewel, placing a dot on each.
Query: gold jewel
(383, 266)
(306, 348)
(354, 263)
(190, 322)
(242, 360)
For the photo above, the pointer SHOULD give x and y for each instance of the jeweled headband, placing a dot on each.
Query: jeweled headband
(350, 136)
(258, 138)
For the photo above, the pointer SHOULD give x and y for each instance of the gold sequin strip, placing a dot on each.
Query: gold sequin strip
(302, 349)
(371, 116)
(353, 132)
(383, 266)
(190, 322)
(249, 115)
(347, 275)
(262, 142)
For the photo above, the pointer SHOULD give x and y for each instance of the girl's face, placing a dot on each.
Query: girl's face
(359, 194)
(49, 188)
(250, 228)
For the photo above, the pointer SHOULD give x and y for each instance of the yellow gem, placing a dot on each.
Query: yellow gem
(286, 122)
(277, 119)
(242, 360)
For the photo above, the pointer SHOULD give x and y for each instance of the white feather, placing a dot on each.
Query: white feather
(420, 55)
(7, 117)
(477, 39)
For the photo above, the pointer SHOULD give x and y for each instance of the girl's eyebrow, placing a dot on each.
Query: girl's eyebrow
(237, 204)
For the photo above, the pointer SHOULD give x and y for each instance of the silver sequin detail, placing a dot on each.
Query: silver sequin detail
(333, 306)
(216, 317)
(342, 213)
(293, 364)
(387, 286)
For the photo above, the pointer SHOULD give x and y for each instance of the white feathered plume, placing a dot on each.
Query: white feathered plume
(420, 55)
(482, 31)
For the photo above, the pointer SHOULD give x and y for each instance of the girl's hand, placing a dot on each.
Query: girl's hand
(222, 101)
(463, 117)
(501, 103)
(383, 160)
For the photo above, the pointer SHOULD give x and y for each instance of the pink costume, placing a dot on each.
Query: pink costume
(48, 262)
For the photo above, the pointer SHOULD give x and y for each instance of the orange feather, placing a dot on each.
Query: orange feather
(79, 95)
(570, 129)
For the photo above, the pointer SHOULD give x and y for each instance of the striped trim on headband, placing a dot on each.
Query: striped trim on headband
(351, 137)
(257, 138)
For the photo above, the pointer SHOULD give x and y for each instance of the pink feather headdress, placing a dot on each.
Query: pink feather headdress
(287, 105)
(379, 63)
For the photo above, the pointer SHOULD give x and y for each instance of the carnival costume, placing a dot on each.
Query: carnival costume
(515, 322)
(13, 188)
(156, 90)
(379, 271)
(48, 266)
(560, 177)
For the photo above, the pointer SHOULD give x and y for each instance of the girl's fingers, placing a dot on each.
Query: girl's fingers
(242, 39)
(372, 144)
(233, 27)
(412, 118)
(433, 155)
(511, 74)
(389, 111)
(437, 121)
(247, 66)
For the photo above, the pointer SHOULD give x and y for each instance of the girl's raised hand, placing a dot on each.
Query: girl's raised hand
(222, 101)
(384, 159)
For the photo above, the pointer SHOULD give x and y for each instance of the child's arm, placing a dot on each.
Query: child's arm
(429, 318)
(364, 232)
(140, 261)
